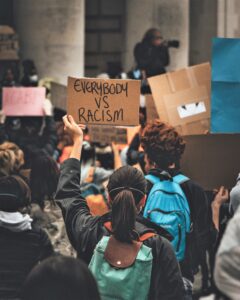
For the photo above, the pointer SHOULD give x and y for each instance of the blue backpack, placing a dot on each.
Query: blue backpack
(168, 207)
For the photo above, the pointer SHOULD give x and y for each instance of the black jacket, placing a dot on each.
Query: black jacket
(198, 242)
(85, 231)
(19, 253)
(151, 59)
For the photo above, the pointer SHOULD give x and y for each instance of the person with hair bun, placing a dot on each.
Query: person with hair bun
(123, 225)
(164, 147)
(18, 155)
(21, 245)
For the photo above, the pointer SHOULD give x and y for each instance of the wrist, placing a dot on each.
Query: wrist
(77, 140)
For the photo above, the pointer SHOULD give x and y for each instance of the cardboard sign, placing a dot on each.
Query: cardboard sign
(23, 101)
(212, 160)
(182, 98)
(59, 95)
(8, 43)
(105, 102)
(151, 109)
(107, 134)
(225, 113)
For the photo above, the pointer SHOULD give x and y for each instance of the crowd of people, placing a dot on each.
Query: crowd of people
(82, 220)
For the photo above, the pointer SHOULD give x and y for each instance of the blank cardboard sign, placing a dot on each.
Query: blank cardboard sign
(106, 102)
(23, 101)
(59, 95)
(212, 160)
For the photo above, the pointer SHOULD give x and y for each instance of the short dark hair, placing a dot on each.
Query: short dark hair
(60, 278)
(162, 144)
(14, 193)
(43, 177)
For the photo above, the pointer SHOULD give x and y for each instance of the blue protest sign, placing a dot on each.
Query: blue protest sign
(225, 95)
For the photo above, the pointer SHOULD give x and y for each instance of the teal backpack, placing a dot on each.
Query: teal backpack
(167, 206)
(122, 271)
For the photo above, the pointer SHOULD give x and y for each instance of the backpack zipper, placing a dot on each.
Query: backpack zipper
(180, 237)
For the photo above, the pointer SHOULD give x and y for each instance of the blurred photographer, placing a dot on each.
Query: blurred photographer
(152, 55)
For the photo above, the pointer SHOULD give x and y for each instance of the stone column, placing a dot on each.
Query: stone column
(171, 17)
(51, 33)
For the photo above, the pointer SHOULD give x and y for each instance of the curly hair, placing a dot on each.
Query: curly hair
(162, 144)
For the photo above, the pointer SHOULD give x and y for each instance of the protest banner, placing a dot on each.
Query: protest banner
(8, 43)
(23, 101)
(104, 101)
(59, 95)
(225, 101)
(182, 98)
(212, 160)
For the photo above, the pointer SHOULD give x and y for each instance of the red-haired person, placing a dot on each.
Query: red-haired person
(163, 147)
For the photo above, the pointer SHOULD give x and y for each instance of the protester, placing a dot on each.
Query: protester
(22, 246)
(18, 154)
(60, 278)
(163, 148)
(9, 78)
(45, 213)
(30, 76)
(126, 189)
(227, 264)
(31, 134)
(92, 172)
(7, 162)
(134, 154)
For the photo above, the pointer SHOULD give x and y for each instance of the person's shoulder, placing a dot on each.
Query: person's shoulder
(193, 185)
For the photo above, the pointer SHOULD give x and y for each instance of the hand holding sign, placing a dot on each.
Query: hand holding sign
(99, 101)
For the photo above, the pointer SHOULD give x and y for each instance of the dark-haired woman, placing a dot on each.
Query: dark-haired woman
(21, 245)
(60, 278)
(126, 189)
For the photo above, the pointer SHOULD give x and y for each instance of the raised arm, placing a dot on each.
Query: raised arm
(74, 208)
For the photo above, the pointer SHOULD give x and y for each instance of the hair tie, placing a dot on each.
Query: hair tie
(127, 188)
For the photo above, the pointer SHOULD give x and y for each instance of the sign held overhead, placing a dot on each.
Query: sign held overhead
(182, 98)
(104, 102)
(23, 101)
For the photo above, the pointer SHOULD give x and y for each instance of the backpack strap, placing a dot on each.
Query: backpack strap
(153, 179)
(145, 236)
(180, 179)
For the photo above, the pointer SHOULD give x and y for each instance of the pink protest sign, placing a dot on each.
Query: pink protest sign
(23, 101)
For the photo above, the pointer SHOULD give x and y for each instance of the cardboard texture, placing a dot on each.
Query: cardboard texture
(27, 101)
(151, 109)
(225, 102)
(109, 134)
(8, 43)
(59, 95)
(106, 102)
(174, 91)
(212, 160)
